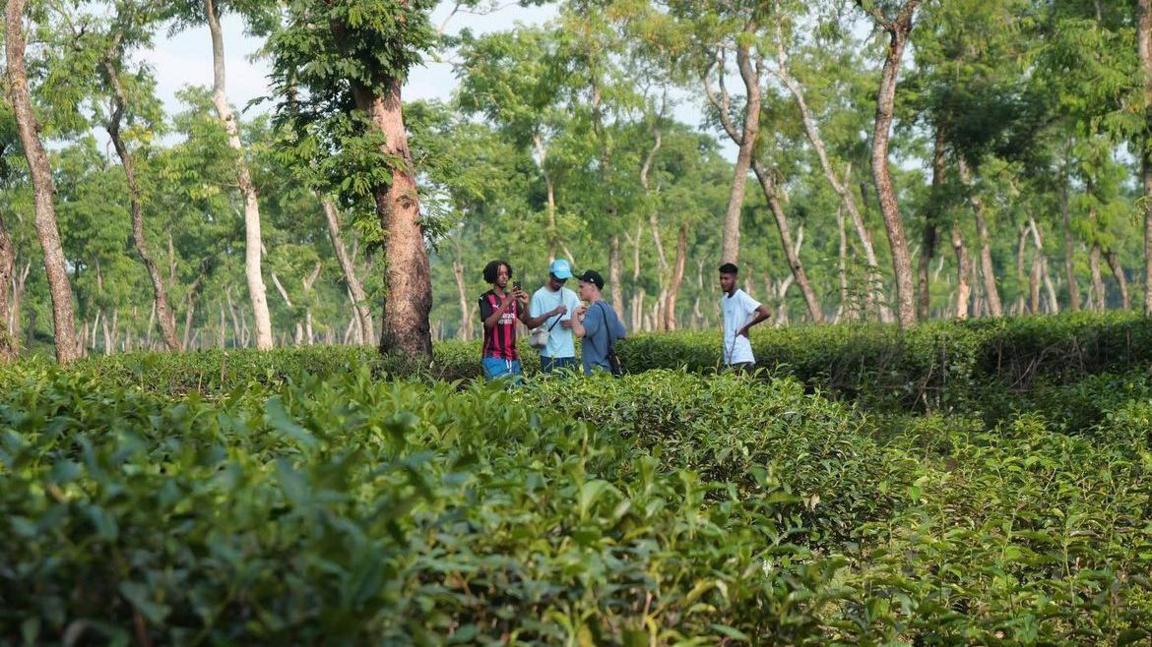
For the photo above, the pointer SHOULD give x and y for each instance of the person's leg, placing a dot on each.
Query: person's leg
(548, 364)
(494, 368)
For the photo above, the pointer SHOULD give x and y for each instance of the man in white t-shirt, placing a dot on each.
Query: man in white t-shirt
(552, 308)
(741, 312)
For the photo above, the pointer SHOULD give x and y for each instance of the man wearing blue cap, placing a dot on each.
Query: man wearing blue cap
(550, 317)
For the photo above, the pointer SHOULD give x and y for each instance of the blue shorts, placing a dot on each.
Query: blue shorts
(495, 368)
(551, 364)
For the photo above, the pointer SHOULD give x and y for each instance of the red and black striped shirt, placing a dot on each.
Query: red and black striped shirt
(500, 340)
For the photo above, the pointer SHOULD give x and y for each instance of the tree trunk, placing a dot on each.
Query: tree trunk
(1038, 240)
(791, 252)
(1099, 295)
(190, 311)
(845, 311)
(898, 31)
(1021, 243)
(553, 233)
(159, 295)
(987, 270)
(669, 307)
(615, 272)
(9, 345)
(1144, 41)
(253, 245)
(15, 320)
(924, 303)
(404, 325)
(745, 138)
(1069, 247)
(1122, 281)
(462, 293)
(359, 297)
(963, 272)
(43, 188)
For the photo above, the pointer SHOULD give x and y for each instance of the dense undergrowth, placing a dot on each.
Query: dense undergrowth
(958, 485)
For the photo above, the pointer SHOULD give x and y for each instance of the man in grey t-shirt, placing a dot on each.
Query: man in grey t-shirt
(596, 324)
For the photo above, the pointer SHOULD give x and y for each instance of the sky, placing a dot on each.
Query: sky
(186, 59)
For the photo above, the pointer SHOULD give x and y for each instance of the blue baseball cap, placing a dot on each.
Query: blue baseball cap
(560, 269)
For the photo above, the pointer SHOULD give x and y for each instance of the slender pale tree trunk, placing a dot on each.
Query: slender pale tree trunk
(1144, 42)
(745, 138)
(355, 287)
(253, 244)
(1021, 244)
(43, 188)
(1069, 245)
(845, 311)
(1099, 294)
(615, 273)
(553, 233)
(404, 325)
(963, 273)
(898, 31)
(924, 303)
(139, 239)
(462, 294)
(9, 344)
(1049, 288)
(987, 270)
(791, 251)
(190, 310)
(1121, 281)
(677, 278)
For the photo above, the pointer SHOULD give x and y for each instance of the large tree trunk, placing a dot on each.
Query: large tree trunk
(404, 324)
(745, 138)
(791, 251)
(963, 272)
(359, 297)
(677, 278)
(1144, 40)
(253, 245)
(898, 31)
(1121, 280)
(9, 346)
(43, 188)
(159, 295)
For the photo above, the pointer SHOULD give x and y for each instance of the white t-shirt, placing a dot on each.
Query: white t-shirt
(739, 309)
(560, 341)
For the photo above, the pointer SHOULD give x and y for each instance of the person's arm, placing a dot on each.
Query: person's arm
(541, 317)
(521, 297)
(578, 328)
(570, 309)
(490, 315)
(762, 314)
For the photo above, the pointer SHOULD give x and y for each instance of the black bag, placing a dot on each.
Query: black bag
(613, 359)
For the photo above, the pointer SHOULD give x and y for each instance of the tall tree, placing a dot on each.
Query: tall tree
(55, 265)
(1144, 43)
(352, 58)
(898, 29)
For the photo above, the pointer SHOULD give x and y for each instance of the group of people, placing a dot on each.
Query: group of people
(557, 316)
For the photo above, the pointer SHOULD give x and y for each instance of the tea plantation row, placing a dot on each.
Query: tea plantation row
(305, 497)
